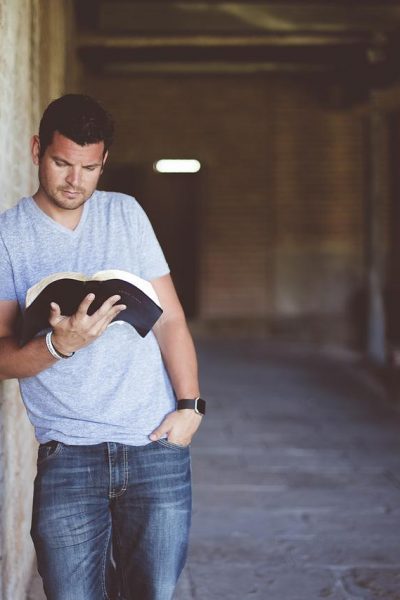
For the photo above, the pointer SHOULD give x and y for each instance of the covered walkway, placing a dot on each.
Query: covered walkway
(297, 478)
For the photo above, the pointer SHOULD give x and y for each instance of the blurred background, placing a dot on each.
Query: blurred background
(289, 230)
(289, 227)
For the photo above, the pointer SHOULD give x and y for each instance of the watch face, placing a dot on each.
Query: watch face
(200, 407)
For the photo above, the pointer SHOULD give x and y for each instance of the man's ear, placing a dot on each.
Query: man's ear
(35, 150)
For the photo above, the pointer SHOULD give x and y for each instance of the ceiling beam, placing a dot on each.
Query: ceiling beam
(238, 17)
(208, 68)
(91, 40)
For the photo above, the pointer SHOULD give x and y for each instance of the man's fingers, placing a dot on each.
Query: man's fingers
(84, 305)
(103, 323)
(108, 307)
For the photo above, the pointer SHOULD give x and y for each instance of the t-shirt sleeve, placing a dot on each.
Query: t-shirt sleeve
(7, 286)
(152, 260)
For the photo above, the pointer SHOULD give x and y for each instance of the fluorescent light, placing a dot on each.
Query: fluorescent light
(177, 165)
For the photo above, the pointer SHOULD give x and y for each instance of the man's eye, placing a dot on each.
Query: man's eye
(59, 164)
(90, 168)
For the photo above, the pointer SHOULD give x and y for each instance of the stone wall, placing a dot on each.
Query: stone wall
(31, 73)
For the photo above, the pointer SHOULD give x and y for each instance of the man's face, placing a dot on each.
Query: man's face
(68, 172)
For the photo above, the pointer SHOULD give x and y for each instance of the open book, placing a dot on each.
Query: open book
(69, 289)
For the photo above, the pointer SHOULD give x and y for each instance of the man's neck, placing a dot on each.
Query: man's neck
(65, 217)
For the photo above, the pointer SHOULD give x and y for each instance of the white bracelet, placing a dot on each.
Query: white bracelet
(53, 351)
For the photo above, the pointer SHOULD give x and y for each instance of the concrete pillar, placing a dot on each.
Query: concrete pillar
(33, 67)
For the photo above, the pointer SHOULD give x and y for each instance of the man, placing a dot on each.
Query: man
(112, 498)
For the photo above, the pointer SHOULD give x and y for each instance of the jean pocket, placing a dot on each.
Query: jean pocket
(167, 444)
(48, 450)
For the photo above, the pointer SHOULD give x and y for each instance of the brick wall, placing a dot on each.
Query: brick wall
(282, 205)
(24, 88)
(319, 195)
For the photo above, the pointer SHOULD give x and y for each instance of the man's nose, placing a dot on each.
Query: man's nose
(73, 176)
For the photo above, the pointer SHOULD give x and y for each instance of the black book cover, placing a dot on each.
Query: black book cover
(141, 311)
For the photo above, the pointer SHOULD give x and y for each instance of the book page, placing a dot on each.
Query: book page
(35, 290)
(140, 283)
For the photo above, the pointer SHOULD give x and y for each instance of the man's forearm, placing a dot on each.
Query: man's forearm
(17, 362)
(179, 356)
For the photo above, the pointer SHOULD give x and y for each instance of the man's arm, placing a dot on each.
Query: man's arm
(15, 361)
(179, 356)
(69, 335)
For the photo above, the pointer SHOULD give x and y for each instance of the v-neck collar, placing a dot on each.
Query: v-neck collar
(55, 224)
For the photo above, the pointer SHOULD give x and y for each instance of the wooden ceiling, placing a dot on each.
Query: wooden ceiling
(351, 38)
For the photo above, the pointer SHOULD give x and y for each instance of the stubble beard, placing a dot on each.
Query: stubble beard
(66, 203)
(57, 198)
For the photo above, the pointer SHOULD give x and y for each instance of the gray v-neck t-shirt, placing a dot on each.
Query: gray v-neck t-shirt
(116, 389)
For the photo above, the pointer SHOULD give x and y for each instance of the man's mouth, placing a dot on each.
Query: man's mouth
(71, 193)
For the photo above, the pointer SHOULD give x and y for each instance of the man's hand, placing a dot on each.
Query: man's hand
(179, 426)
(80, 329)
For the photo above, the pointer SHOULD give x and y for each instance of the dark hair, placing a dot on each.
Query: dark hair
(78, 117)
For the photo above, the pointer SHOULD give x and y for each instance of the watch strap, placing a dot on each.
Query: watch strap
(196, 404)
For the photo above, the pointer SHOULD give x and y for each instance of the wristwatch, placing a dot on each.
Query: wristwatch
(196, 404)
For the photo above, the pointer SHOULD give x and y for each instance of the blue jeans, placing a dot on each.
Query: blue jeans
(111, 521)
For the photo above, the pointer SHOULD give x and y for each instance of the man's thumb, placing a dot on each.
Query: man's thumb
(55, 313)
(158, 433)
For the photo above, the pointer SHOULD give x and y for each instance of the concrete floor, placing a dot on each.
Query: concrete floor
(296, 479)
